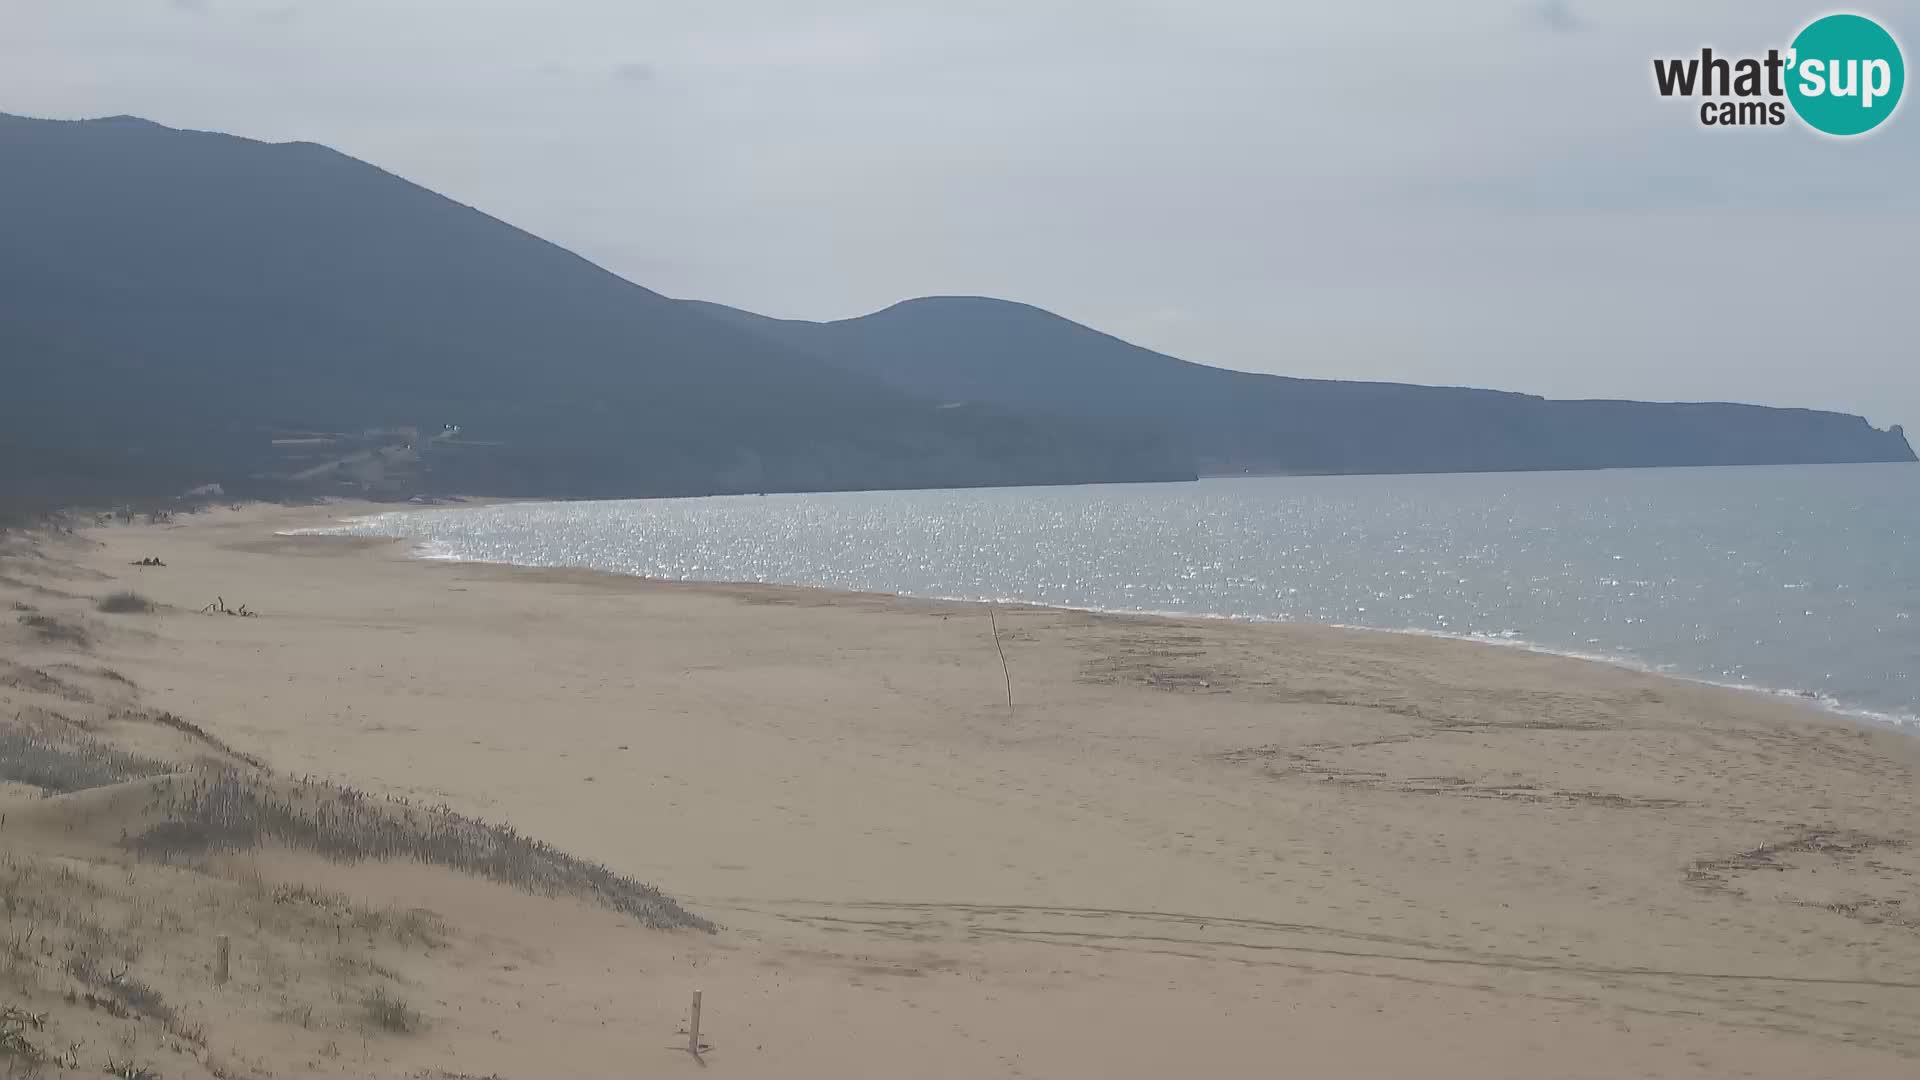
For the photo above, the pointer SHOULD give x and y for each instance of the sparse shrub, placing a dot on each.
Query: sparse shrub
(188, 727)
(419, 925)
(354, 965)
(15, 1045)
(302, 893)
(57, 768)
(410, 926)
(125, 602)
(129, 1070)
(236, 812)
(82, 967)
(132, 994)
(141, 998)
(388, 1012)
(51, 629)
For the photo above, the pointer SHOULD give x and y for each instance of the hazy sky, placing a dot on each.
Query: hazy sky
(1481, 192)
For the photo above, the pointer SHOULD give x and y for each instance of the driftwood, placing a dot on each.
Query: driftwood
(219, 607)
(148, 561)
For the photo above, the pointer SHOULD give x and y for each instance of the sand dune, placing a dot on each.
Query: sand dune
(1190, 847)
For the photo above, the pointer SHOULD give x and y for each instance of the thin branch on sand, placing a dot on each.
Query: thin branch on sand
(991, 618)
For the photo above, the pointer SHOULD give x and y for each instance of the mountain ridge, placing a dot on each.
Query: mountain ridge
(188, 295)
(1022, 356)
(179, 307)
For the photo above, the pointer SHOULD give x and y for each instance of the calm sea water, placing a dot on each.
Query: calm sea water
(1802, 579)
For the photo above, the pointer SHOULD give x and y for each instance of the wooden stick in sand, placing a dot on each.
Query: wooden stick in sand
(693, 1027)
(1004, 673)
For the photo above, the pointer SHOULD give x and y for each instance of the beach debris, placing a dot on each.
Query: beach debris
(129, 1070)
(14, 1044)
(11, 1014)
(148, 561)
(219, 607)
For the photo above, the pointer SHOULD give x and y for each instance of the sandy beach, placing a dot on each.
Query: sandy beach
(1189, 847)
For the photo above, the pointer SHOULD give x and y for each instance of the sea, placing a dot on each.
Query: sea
(1798, 580)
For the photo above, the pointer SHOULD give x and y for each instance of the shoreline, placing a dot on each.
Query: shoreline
(1905, 722)
(1192, 845)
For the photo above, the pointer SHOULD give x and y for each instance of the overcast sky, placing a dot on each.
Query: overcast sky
(1482, 192)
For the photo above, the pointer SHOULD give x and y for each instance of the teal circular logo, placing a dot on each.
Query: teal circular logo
(1845, 74)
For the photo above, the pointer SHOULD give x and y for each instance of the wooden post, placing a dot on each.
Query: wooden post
(693, 1028)
(222, 951)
